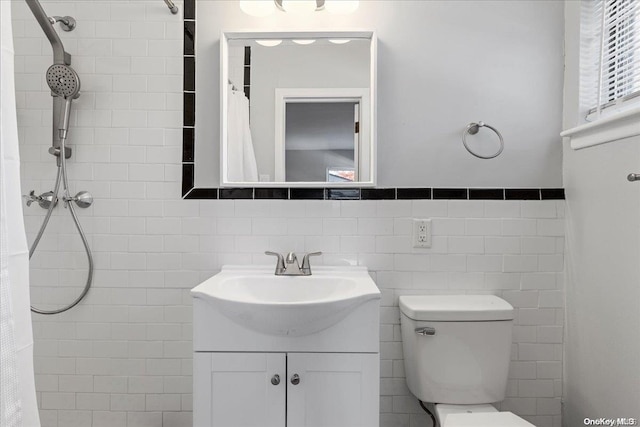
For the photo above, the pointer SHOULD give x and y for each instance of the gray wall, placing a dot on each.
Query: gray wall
(441, 65)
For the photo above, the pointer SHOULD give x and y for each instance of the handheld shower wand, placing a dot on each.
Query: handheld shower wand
(65, 83)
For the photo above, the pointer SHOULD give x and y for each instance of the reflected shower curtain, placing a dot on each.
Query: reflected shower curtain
(241, 159)
(18, 407)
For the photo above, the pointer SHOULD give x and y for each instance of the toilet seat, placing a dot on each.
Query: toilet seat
(485, 419)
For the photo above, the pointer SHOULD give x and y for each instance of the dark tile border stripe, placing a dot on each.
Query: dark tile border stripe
(342, 194)
(450, 193)
(188, 141)
(306, 194)
(203, 193)
(378, 194)
(235, 193)
(189, 9)
(188, 44)
(486, 194)
(413, 193)
(552, 193)
(188, 178)
(522, 194)
(271, 193)
(279, 193)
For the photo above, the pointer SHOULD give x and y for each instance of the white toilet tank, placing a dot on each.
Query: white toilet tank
(456, 347)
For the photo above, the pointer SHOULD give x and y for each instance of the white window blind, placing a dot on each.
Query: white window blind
(610, 56)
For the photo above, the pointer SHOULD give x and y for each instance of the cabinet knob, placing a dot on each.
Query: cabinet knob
(295, 379)
(275, 380)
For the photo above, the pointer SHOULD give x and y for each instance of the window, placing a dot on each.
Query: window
(610, 56)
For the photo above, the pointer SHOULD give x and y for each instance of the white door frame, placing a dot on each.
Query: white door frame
(363, 150)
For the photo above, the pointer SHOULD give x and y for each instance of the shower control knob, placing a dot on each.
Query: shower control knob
(31, 197)
(44, 199)
(275, 380)
(83, 199)
(295, 379)
(633, 177)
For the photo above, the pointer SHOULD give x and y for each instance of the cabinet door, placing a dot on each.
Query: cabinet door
(236, 390)
(334, 390)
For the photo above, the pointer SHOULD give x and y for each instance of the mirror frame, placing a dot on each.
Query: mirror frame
(227, 36)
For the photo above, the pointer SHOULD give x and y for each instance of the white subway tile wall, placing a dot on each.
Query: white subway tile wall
(122, 357)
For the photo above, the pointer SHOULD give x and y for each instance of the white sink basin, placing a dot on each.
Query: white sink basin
(257, 299)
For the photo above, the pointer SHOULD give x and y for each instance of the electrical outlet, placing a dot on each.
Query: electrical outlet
(421, 233)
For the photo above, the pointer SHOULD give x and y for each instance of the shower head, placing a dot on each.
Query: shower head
(63, 81)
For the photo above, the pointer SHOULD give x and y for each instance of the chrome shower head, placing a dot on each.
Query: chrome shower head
(63, 81)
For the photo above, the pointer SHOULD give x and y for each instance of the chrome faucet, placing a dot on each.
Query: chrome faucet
(289, 266)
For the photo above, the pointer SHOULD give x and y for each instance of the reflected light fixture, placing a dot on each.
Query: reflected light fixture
(269, 43)
(339, 41)
(262, 8)
(304, 41)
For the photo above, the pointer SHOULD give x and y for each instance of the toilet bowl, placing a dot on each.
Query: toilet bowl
(457, 350)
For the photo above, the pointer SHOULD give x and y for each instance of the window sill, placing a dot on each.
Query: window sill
(619, 126)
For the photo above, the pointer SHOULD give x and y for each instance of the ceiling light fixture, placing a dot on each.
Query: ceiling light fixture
(262, 8)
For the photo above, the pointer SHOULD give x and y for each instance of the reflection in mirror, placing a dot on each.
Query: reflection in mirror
(320, 141)
(297, 114)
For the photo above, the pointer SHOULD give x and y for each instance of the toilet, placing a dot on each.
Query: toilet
(457, 350)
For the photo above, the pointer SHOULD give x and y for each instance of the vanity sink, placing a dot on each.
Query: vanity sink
(257, 299)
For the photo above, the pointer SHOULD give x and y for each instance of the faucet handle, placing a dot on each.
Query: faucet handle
(280, 262)
(305, 259)
(30, 198)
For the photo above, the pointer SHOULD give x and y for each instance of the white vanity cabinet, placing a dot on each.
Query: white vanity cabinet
(274, 351)
(335, 389)
(286, 389)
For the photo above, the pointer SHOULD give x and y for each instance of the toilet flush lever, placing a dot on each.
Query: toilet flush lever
(426, 331)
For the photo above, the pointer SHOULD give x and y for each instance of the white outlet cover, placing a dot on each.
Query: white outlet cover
(421, 235)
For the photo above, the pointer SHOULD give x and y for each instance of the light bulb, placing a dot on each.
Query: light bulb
(339, 41)
(341, 7)
(269, 43)
(304, 41)
(299, 7)
(257, 8)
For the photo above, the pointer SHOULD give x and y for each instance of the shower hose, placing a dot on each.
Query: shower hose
(62, 172)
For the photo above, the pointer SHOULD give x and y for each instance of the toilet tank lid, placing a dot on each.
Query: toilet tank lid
(455, 308)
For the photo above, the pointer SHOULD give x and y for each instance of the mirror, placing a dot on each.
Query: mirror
(298, 109)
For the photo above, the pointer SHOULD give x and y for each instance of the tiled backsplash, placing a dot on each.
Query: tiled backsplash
(127, 348)
(122, 357)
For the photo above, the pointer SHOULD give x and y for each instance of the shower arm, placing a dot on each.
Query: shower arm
(60, 56)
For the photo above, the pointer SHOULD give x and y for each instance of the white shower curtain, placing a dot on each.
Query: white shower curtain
(241, 159)
(18, 407)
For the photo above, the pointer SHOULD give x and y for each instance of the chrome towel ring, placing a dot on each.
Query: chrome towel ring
(472, 129)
